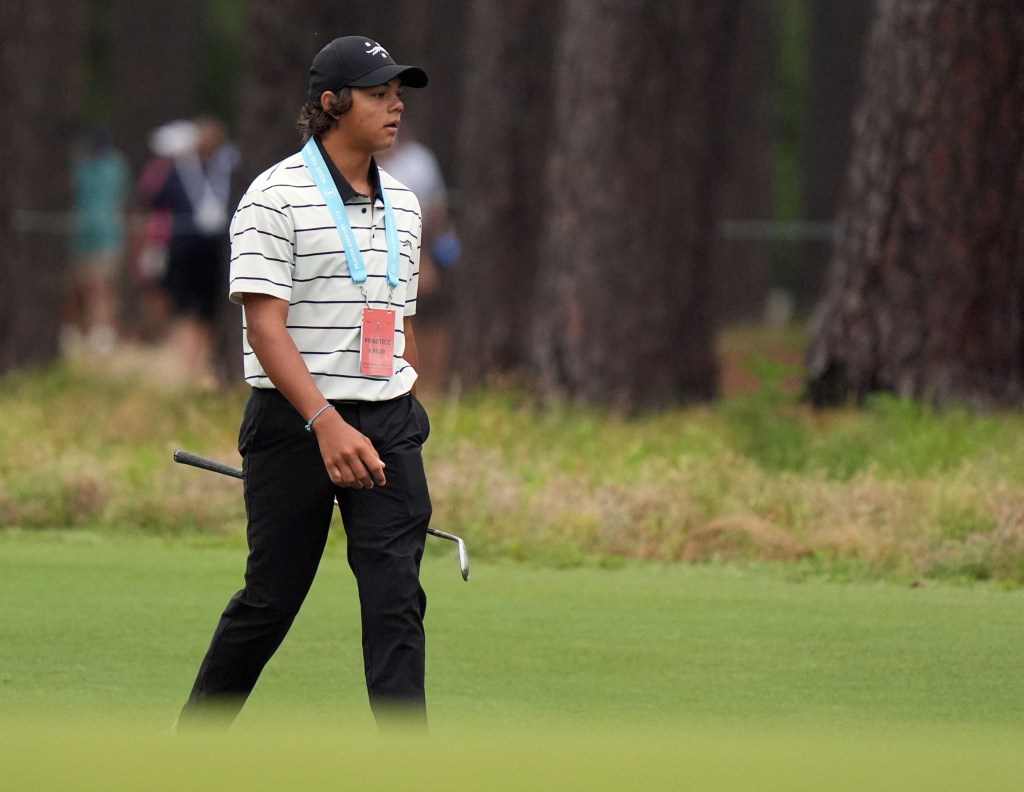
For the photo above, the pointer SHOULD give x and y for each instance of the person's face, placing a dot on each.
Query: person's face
(211, 135)
(371, 124)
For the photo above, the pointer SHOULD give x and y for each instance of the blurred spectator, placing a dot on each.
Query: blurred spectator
(100, 177)
(416, 166)
(152, 228)
(195, 191)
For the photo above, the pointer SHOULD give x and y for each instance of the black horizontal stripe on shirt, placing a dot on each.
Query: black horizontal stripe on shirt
(309, 259)
(346, 278)
(250, 253)
(343, 274)
(355, 227)
(254, 229)
(252, 279)
(261, 206)
(305, 352)
(327, 276)
(402, 232)
(372, 303)
(398, 328)
(363, 377)
(302, 250)
(328, 302)
(257, 377)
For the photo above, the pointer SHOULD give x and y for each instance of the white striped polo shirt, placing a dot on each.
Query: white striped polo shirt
(284, 243)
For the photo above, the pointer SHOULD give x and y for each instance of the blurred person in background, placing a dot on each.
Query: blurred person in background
(100, 178)
(196, 193)
(417, 167)
(151, 230)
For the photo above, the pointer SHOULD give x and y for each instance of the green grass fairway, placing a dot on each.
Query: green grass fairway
(699, 759)
(647, 676)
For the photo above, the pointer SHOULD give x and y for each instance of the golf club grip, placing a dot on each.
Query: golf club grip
(188, 458)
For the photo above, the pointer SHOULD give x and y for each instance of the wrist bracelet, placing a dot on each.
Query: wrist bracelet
(309, 423)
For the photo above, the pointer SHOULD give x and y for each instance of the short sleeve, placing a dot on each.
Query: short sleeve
(262, 247)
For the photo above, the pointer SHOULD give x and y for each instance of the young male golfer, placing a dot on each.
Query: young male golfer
(324, 258)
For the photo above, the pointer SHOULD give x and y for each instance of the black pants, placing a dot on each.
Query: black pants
(196, 270)
(289, 500)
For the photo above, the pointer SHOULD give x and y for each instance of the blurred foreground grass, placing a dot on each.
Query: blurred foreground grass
(895, 490)
(112, 759)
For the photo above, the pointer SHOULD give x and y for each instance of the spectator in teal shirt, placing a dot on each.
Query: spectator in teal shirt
(101, 183)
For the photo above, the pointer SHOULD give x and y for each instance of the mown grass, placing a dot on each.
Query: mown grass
(102, 625)
(654, 676)
(894, 490)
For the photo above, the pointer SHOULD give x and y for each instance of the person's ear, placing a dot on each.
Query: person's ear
(327, 102)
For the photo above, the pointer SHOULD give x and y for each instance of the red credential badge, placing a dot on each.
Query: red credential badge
(377, 350)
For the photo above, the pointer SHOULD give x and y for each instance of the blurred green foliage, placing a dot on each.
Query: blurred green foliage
(895, 490)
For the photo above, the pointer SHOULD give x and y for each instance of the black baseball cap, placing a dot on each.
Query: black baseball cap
(359, 62)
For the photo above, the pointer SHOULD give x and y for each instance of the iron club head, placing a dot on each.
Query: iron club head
(463, 553)
(463, 559)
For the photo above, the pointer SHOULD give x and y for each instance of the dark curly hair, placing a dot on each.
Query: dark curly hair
(315, 120)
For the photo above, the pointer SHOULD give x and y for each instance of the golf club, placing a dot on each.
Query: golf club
(188, 458)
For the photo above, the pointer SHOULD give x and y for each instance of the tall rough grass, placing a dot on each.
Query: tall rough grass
(893, 490)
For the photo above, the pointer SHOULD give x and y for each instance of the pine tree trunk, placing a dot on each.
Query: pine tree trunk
(155, 53)
(432, 36)
(504, 135)
(41, 80)
(275, 73)
(275, 57)
(624, 298)
(924, 296)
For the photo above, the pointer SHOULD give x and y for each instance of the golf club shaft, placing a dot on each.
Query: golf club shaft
(188, 458)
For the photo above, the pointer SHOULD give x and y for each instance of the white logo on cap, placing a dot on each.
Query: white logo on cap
(373, 48)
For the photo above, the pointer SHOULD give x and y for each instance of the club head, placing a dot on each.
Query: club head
(463, 552)
(463, 559)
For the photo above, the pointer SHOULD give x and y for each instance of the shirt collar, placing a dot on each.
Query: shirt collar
(345, 190)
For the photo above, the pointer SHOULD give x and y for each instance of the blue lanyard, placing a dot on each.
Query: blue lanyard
(356, 267)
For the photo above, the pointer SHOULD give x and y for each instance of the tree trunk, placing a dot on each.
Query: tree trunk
(431, 36)
(624, 296)
(155, 59)
(276, 53)
(41, 78)
(924, 296)
(275, 63)
(504, 134)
